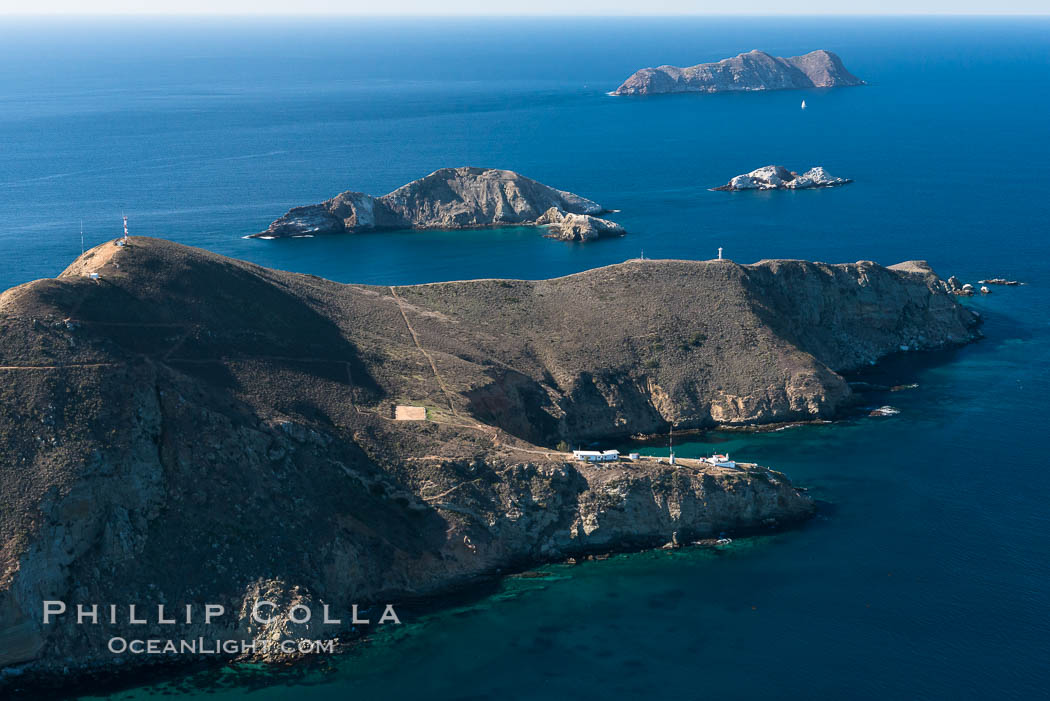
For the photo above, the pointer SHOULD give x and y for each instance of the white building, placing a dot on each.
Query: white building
(596, 455)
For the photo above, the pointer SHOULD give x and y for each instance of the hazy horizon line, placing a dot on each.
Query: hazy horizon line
(471, 15)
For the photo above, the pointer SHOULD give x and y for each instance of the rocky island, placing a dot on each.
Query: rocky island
(755, 70)
(453, 198)
(311, 443)
(780, 178)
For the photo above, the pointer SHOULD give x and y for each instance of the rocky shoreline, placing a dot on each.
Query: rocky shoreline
(172, 403)
(57, 680)
(44, 683)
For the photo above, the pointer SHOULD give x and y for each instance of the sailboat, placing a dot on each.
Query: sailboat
(803, 104)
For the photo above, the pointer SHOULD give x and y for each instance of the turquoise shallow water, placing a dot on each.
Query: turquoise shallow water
(925, 575)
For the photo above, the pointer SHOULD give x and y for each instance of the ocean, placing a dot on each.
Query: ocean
(924, 575)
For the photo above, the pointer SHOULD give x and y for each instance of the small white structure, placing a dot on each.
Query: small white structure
(596, 455)
(635, 456)
(720, 461)
(93, 276)
(407, 412)
(719, 253)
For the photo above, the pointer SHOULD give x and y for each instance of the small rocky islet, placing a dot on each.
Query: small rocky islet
(956, 287)
(775, 177)
(453, 198)
(747, 72)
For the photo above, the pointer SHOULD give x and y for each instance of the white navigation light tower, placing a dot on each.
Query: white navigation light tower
(719, 250)
(125, 228)
(670, 442)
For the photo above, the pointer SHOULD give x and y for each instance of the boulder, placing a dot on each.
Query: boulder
(577, 227)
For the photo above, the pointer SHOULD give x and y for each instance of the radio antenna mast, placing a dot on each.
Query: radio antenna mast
(81, 237)
(125, 228)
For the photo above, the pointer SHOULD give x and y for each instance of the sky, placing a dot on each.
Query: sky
(533, 7)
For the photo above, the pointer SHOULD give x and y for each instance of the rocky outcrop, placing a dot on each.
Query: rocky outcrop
(780, 178)
(450, 198)
(191, 429)
(577, 227)
(957, 288)
(755, 70)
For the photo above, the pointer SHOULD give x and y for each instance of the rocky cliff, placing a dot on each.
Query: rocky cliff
(780, 178)
(755, 70)
(188, 428)
(450, 198)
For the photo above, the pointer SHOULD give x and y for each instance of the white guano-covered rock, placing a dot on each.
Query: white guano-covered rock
(577, 227)
(775, 177)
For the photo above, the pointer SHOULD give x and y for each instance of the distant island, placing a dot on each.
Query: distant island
(780, 178)
(308, 442)
(755, 70)
(453, 198)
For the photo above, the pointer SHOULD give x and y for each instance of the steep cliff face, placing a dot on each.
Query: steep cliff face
(450, 198)
(849, 316)
(632, 347)
(191, 429)
(755, 70)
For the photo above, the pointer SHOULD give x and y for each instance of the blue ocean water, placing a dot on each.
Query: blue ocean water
(925, 576)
